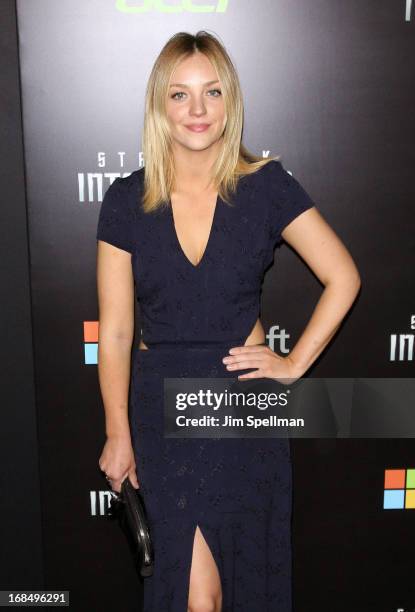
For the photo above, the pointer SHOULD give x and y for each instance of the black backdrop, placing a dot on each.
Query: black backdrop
(328, 85)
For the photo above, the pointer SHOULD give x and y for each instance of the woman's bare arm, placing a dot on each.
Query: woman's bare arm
(115, 284)
(320, 247)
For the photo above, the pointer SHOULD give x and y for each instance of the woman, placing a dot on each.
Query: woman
(194, 232)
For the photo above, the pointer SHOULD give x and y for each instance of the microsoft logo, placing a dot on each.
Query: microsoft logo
(399, 492)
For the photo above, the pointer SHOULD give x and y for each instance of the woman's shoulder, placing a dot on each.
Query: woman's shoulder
(282, 195)
(129, 181)
(263, 179)
(127, 189)
(274, 179)
(265, 175)
(273, 168)
(118, 213)
(123, 194)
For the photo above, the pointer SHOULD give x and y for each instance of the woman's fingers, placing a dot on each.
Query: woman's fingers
(132, 475)
(248, 352)
(116, 487)
(115, 483)
(265, 362)
(254, 360)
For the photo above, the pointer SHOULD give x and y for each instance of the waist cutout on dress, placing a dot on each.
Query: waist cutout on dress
(194, 344)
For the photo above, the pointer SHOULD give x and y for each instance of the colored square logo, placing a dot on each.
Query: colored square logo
(399, 489)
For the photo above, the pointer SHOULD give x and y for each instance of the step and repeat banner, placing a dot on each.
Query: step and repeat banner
(329, 86)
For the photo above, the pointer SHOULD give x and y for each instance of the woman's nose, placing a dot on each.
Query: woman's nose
(197, 107)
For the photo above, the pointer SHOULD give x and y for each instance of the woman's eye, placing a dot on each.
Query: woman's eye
(176, 94)
(218, 91)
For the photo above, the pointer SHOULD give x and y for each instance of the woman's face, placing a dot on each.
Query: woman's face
(195, 108)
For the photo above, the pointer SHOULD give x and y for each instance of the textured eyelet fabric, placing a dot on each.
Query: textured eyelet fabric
(238, 490)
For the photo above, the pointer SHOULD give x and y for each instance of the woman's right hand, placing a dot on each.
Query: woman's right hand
(117, 461)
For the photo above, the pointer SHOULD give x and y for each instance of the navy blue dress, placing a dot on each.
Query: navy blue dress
(238, 490)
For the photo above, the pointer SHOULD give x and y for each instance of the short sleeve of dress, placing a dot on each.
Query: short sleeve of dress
(288, 199)
(115, 221)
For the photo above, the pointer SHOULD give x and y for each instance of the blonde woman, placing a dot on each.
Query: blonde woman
(190, 236)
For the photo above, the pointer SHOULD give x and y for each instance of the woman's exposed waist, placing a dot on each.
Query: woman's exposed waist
(192, 345)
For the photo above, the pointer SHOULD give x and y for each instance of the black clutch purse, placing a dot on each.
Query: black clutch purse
(128, 507)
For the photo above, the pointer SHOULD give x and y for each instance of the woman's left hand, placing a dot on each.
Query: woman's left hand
(268, 364)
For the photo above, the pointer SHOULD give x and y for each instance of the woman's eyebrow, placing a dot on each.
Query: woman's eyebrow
(184, 84)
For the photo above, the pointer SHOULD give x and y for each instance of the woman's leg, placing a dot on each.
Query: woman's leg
(205, 591)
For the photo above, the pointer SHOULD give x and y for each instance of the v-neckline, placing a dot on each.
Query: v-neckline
(209, 240)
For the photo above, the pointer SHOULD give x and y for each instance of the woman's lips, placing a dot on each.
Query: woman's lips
(199, 127)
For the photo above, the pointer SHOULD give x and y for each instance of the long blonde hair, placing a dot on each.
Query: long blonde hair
(233, 161)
